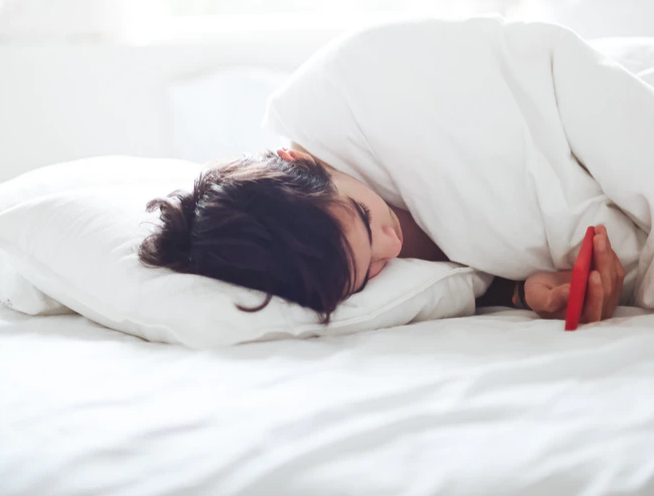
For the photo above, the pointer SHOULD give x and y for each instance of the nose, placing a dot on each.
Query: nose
(392, 245)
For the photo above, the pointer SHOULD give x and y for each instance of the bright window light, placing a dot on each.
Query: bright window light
(344, 7)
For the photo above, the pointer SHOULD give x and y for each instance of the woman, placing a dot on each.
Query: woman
(291, 225)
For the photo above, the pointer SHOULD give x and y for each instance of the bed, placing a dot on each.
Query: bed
(500, 403)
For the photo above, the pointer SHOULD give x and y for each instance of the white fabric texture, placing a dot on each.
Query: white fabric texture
(505, 140)
(499, 404)
(17, 292)
(79, 247)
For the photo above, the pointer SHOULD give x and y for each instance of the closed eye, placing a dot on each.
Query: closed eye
(366, 218)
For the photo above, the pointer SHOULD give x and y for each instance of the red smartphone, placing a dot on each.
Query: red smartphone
(579, 283)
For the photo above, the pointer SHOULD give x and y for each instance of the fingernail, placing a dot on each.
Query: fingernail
(601, 244)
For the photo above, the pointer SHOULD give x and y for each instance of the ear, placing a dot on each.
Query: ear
(299, 155)
(284, 154)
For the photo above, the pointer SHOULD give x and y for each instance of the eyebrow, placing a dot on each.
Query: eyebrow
(366, 222)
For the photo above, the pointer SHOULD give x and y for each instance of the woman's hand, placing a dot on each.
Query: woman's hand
(547, 292)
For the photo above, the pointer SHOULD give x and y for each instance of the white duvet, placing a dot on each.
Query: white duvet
(504, 140)
(493, 405)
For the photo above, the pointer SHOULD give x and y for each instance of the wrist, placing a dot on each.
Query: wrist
(519, 300)
(498, 294)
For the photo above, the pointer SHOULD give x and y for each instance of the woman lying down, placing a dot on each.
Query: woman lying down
(293, 226)
(400, 149)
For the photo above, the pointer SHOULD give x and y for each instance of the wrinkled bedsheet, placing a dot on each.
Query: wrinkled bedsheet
(495, 404)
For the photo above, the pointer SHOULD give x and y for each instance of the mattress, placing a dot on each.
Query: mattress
(498, 403)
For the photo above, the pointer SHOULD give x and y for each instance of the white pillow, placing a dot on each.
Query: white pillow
(18, 293)
(79, 247)
(15, 291)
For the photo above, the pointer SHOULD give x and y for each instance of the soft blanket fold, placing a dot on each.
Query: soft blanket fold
(505, 140)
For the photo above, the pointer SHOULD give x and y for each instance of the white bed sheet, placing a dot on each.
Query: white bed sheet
(495, 404)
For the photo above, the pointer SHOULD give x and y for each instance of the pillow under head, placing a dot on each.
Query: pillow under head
(79, 246)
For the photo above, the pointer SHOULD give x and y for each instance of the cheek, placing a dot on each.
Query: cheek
(381, 214)
(360, 250)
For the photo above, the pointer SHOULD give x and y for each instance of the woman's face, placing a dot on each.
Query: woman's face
(371, 227)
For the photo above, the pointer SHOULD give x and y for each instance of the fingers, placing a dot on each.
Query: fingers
(546, 301)
(619, 274)
(614, 299)
(604, 263)
(610, 268)
(594, 302)
(558, 299)
(547, 293)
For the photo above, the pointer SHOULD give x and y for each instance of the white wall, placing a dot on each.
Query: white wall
(593, 18)
(61, 101)
(68, 98)
(87, 77)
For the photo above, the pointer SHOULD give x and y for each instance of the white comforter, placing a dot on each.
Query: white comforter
(497, 404)
(504, 140)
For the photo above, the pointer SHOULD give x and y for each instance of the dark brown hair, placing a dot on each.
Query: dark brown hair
(262, 223)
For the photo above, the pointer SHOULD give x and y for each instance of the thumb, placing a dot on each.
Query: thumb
(558, 298)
